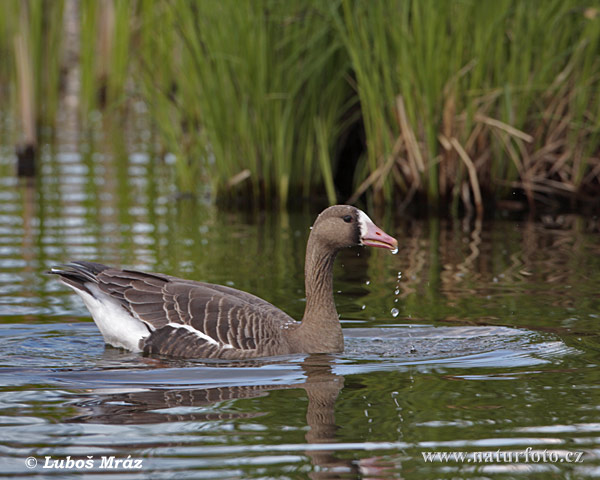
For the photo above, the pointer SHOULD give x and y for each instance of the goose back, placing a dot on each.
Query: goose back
(186, 318)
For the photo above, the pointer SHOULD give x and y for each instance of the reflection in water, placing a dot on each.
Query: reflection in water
(117, 208)
(498, 272)
(166, 405)
(162, 405)
(29, 215)
(365, 411)
(465, 387)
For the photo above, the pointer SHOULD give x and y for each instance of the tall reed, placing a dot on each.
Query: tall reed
(258, 90)
(466, 99)
(107, 30)
(462, 102)
(30, 43)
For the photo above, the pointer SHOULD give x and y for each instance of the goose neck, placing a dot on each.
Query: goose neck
(320, 306)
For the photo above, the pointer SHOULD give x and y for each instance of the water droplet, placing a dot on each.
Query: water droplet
(397, 291)
(368, 282)
(395, 251)
(399, 274)
(395, 312)
(395, 300)
(363, 307)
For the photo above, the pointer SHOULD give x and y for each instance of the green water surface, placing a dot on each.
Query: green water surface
(491, 349)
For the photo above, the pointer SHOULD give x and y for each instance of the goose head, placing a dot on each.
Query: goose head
(343, 226)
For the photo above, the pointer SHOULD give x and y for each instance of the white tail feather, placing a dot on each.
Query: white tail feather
(117, 326)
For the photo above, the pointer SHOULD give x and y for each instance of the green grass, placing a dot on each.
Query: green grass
(462, 102)
(480, 83)
(256, 90)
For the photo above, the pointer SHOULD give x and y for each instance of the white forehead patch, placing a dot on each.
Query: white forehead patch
(363, 222)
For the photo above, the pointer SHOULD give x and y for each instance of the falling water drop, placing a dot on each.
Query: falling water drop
(395, 312)
(368, 282)
(397, 291)
(399, 275)
(395, 251)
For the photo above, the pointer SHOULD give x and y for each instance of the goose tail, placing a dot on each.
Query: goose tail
(77, 274)
(117, 325)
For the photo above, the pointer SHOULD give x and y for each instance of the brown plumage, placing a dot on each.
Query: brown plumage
(160, 314)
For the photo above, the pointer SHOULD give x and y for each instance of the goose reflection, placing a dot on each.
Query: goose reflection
(160, 405)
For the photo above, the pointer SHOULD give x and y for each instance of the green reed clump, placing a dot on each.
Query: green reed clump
(461, 101)
(466, 99)
(254, 95)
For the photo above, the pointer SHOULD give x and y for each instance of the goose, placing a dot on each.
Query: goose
(154, 313)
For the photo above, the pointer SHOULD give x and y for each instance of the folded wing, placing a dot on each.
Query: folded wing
(194, 319)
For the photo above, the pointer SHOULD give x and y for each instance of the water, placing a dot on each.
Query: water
(475, 340)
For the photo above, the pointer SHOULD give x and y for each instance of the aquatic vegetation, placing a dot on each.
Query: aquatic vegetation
(468, 100)
(257, 112)
(453, 105)
(30, 37)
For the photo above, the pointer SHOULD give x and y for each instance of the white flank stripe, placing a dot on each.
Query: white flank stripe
(198, 333)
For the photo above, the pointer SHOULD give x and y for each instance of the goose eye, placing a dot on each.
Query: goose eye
(347, 218)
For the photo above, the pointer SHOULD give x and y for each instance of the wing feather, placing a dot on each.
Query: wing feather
(194, 319)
